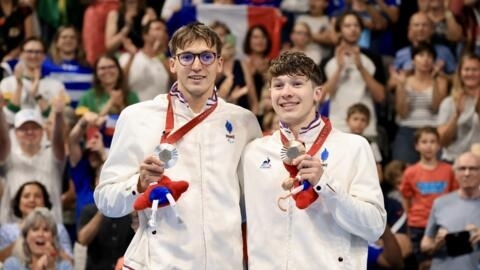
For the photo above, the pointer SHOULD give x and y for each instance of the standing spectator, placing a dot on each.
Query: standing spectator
(94, 25)
(459, 114)
(235, 83)
(421, 184)
(27, 88)
(15, 26)
(353, 75)
(320, 26)
(257, 46)
(29, 196)
(417, 100)
(208, 158)
(124, 26)
(30, 159)
(358, 118)
(344, 209)
(301, 39)
(66, 62)
(38, 246)
(146, 69)
(455, 213)
(446, 29)
(87, 155)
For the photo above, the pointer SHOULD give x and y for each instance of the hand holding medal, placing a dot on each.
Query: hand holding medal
(159, 189)
(303, 167)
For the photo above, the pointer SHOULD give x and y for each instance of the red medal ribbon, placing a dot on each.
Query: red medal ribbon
(178, 134)
(322, 136)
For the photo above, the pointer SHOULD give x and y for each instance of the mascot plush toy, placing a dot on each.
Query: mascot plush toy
(164, 192)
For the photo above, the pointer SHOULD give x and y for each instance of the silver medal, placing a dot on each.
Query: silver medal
(167, 153)
(292, 150)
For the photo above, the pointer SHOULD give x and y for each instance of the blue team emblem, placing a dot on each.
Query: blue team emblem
(324, 156)
(266, 164)
(230, 136)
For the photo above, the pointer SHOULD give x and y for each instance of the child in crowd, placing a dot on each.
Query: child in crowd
(358, 118)
(422, 183)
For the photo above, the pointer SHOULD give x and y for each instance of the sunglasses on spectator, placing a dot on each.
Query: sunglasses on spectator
(187, 58)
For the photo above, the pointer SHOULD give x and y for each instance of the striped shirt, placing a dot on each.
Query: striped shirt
(420, 108)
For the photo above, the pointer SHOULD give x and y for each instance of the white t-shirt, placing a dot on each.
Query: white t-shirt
(48, 88)
(147, 77)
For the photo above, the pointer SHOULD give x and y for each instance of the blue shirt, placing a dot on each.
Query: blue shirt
(403, 58)
(13, 263)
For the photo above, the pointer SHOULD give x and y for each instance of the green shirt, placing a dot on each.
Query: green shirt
(95, 102)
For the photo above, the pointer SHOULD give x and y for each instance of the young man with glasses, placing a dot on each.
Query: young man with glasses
(455, 215)
(199, 139)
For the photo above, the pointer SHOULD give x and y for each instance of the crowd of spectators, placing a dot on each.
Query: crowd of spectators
(403, 74)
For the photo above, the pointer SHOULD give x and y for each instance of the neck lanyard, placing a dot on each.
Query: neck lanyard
(178, 134)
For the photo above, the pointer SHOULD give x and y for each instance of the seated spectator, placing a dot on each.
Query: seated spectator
(38, 246)
(459, 113)
(17, 25)
(420, 29)
(107, 238)
(30, 195)
(30, 159)
(124, 25)
(417, 100)
(454, 213)
(109, 94)
(392, 179)
(27, 88)
(353, 75)
(147, 69)
(66, 62)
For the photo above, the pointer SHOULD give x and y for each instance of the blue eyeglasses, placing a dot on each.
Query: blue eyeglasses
(187, 58)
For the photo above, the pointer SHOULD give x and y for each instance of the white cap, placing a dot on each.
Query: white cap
(28, 115)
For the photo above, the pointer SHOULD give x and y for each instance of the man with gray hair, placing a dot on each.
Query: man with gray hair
(453, 230)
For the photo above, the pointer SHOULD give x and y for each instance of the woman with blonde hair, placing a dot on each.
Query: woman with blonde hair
(458, 120)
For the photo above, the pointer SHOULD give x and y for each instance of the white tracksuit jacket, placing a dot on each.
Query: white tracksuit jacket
(210, 235)
(332, 233)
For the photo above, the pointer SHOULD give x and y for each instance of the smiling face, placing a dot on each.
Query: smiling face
(31, 198)
(107, 71)
(67, 41)
(29, 135)
(39, 238)
(293, 99)
(32, 54)
(196, 81)
(470, 73)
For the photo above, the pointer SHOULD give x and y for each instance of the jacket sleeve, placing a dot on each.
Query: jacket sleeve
(360, 209)
(117, 188)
